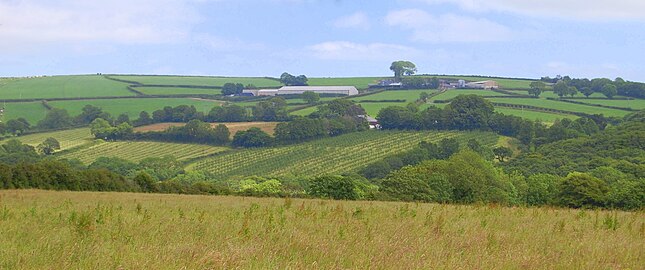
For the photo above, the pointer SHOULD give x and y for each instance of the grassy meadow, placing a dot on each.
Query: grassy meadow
(534, 115)
(76, 86)
(91, 230)
(32, 111)
(345, 153)
(133, 106)
(136, 151)
(177, 91)
(358, 82)
(558, 105)
(197, 80)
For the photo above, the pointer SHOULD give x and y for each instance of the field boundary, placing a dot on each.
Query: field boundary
(538, 109)
(594, 105)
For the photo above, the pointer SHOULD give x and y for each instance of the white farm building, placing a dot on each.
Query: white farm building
(296, 90)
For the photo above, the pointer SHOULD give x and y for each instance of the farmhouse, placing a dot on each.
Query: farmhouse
(296, 90)
(483, 85)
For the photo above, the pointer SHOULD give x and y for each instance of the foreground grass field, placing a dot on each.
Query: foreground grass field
(63, 87)
(136, 151)
(340, 154)
(84, 230)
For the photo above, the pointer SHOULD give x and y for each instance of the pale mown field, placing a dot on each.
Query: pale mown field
(83, 230)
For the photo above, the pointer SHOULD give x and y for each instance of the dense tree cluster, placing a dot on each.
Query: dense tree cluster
(401, 68)
(232, 88)
(195, 131)
(290, 80)
(565, 86)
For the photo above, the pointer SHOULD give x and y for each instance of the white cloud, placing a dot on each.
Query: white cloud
(591, 10)
(447, 27)
(344, 50)
(119, 21)
(358, 20)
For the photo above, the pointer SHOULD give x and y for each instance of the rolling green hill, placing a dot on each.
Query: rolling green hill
(197, 80)
(133, 106)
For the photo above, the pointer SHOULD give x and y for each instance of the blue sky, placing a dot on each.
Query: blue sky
(320, 38)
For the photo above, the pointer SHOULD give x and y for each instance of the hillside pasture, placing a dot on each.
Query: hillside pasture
(76, 86)
(67, 138)
(551, 94)
(133, 106)
(31, 111)
(534, 115)
(197, 80)
(358, 82)
(558, 105)
(504, 83)
(637, 104)
(268, 127)
(346, 153)
(177, 91)
(96, 230)
(453, 93)
(407, 95)
(136, 151)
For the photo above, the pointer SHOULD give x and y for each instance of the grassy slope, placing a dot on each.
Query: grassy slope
(133, 106)
(177, 91)
(32, 111)
(638, 104)
(532, 115)
(198, 80)
(84, 230)
(407, 95)
(136, 151)
(67, 138)
(340, 154)
(358, 82)
(63, 87)
(503, 83)
(561, 106)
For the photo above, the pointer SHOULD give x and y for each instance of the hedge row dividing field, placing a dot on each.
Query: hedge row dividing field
(136, 151)
(67, 138)
(177, 91)
(340, 154)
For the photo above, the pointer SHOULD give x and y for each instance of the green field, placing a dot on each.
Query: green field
(533, 115)
(177, 91)
(550, 94)
(67, 138)
(372, 109)
(197, 80)
(133, 106)
(340, 154)
(637, 104)
(136, 151)
(503, 83)
(358, 82)
(63, 87)
(407, 95)
(558, 105)
(450, 94)
(32, 111)
(95, 230)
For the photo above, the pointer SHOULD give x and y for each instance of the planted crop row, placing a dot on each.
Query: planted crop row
(67, 138)
(327, 156)
(136, 151)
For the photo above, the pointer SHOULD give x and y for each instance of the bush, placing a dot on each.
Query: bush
(581, 190)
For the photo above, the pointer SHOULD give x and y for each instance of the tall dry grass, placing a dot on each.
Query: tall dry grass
(84, 230)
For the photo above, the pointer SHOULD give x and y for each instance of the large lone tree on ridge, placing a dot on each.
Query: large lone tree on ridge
(401, 68)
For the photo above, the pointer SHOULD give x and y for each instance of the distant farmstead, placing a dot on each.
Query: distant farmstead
(483, 85)
(296, 90)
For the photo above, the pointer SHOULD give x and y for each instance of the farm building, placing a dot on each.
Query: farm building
(483, 85)
(296, 90)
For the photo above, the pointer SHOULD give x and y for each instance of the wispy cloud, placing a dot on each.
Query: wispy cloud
(71, 21)
(590, 10)
(447, 27)
(358, 20)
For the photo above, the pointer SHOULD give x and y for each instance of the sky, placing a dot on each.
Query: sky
(323, 38)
